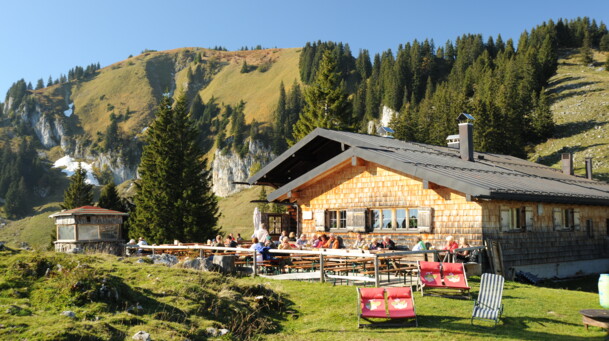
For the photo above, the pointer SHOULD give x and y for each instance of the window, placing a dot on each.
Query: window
(413, 218)
(516, 218)
(88, 232)
(65, 232)
(400, 218)
(336, 219)
(342, 219)
(566, 219)
(387, 219)
(108, 231)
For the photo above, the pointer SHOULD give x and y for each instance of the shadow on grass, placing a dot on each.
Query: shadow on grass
(557, 155)
(508, 328)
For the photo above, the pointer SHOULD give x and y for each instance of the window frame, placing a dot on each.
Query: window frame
(566, 219)
(516, 219)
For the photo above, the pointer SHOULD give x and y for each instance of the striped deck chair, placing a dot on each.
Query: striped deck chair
(454, 276)
(371, 304)
(400, 304)
(429, 275)
(488, 306)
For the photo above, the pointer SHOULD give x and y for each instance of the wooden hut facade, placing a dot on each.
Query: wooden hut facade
(543, 220)
(89, 229)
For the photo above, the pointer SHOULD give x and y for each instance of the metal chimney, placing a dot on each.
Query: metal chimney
(466, 137)
(567, 163)
(589, 168)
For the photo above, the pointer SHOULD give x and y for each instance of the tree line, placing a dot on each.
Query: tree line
(501, 83)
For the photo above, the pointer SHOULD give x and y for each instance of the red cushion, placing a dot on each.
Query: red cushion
(454, 275)
(429, 272)
(399, 303)
(372, 302)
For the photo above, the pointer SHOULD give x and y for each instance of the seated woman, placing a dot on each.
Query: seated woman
(374, 244)
(420, 245)
(451, 244)
(331, 242)
(359, 242)
(463, 255)
(285, 244)
(388, 244)
(321, 240)
(302, 241)
(292, 237)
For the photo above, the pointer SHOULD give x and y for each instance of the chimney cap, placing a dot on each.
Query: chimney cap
(464, 117)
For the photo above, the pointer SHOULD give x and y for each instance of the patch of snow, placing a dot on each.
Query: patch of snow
(70, 165)
(70, 110)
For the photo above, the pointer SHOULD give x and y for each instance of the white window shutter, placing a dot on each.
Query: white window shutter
(356, 220)
(425, 221)
(557, 217)
(320, 220)
(576, 219)
(505, 219)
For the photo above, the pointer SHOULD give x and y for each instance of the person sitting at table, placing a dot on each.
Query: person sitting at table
(285, 244)
(451, 244)
(268, 242)
(463, 255)
(359, 242)
(315, 243)
(261, 233)
(339, 243)
(302, 241)
(331, 242)
(388, 244)
(420, 245)
(230, 242)
(292, 236)
(239, 238)
(217, 241)
(374, 244)
(323, 241)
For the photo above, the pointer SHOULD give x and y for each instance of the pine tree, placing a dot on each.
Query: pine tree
(40, 84)
(175, 198)
(326, 103)
(586, 49)
(244, 67)
(15, 205)
(109, 198)
(280, 117)
(50, 81)
(542, 119)
(78, 193)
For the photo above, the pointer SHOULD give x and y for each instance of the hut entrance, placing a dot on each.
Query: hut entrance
(277, 222)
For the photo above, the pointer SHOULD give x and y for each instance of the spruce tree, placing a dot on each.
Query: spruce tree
(175, 198)
(586, 49)
(78, 193)
(326, 103)
(109, 198)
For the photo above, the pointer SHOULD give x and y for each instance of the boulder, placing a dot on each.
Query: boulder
(69, 314)
(164, 259)
(142, 336)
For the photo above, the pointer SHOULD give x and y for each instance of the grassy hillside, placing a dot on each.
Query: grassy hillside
(237, 212)
(132, 88)
(115, 298)
(260, 90)
(580, 98)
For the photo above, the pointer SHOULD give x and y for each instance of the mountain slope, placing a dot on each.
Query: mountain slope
(580, 96)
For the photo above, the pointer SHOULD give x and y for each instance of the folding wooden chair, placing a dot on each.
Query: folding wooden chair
(488, 306)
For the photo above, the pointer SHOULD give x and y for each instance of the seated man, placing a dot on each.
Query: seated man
(230, 242)
(388, 244)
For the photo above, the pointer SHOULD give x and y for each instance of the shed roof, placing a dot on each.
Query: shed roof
(490, 176)
(87, 210)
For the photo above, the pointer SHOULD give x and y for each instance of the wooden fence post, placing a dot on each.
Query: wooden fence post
(255, 264)
(322, 278)
(377, 282)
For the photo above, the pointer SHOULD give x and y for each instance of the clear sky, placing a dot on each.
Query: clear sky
(41, 37)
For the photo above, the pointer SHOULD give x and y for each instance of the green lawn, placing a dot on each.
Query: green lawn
(178, 304)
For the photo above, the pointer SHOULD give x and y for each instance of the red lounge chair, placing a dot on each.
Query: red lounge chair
(454, 276)
(372, 303)
(400, 303)
(429, 275)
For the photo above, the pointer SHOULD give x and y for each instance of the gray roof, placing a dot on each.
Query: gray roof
(490, 176)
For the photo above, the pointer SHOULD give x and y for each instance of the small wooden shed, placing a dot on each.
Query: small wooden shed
(89, 229)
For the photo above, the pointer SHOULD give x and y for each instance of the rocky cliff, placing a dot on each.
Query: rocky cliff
(229, 167)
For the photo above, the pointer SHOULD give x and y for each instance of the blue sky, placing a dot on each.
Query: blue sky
(41, 38)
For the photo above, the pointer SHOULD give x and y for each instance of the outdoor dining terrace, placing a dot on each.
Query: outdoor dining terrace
(340, 266)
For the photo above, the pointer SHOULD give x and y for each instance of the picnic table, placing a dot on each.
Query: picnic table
(595, 317)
